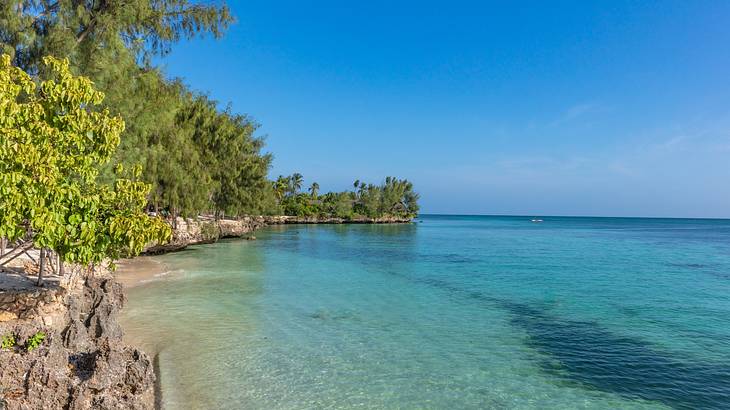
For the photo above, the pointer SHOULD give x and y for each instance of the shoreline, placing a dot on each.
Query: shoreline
(133, 273)
(204, 230)
(145, 268)
(139, 270)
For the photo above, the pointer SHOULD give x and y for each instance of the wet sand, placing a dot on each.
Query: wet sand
(140, 270)
(132, 273)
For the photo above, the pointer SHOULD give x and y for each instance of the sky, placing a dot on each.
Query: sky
(617, 108)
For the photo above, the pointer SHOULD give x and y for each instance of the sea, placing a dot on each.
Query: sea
(448, 312)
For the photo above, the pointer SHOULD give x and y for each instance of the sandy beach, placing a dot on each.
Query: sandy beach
(140, 270)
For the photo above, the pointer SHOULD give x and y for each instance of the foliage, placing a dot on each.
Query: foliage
(93, 32)
(338, 204)
(198, 158)
(231, 155)
(295, 183)
(34, 341)
(209, 231)
(314, 190)
(8, 341)
(53, 142)
(395, 198)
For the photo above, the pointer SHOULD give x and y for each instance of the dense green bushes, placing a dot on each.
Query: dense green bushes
(393, 198)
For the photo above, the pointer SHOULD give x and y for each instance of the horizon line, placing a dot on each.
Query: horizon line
(575, 216)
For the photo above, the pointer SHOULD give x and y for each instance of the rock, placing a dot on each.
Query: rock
(206, 230)
(6, 316)
(281, 220)
(82, 363)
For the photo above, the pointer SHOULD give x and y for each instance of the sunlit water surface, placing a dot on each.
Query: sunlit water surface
(450, 312)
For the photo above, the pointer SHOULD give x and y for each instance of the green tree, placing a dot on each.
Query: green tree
(314, 190)
(53, 141)
(281, 187)
(296, 181)
(398, 198)
(393, 198)
(181, 138)
(231, 154)
(94, 33)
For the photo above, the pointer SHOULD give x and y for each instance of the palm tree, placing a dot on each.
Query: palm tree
(296, 182)
(281, 185)
(314, 190)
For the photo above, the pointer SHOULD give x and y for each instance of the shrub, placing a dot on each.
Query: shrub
(34, 341)
(8, 342)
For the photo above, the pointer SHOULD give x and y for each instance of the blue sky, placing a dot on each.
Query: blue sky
(538, 108)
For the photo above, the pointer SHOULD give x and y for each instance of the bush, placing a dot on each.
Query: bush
(8, 342)
(34, 341)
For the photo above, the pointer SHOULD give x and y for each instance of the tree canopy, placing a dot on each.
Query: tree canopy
(198, 156)
(91, 32)
(52, 142)
(393, 198)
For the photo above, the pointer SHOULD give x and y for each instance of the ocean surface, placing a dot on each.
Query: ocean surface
(451, 312)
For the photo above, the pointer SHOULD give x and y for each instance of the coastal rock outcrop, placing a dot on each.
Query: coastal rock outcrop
(281, 220)
(81, 363)
(188, 231)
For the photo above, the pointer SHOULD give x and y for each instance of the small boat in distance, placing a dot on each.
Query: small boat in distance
(536, 220)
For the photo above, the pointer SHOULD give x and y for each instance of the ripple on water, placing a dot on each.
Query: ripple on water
(452, 313)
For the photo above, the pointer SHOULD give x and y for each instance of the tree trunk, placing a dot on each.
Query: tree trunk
(60, 265)
(17, 251)
(2, 246)
(50, 257)
(41, 267)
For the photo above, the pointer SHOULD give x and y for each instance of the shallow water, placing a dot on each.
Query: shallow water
(452, 312)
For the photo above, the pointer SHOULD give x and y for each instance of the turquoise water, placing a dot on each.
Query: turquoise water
(448, 313)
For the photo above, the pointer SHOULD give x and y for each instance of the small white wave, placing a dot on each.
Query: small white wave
(160, 276)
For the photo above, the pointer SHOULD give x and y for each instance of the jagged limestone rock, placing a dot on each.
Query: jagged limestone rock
(82, 363)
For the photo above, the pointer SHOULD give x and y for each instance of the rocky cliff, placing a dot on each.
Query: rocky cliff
(81, 363)
(205, 230)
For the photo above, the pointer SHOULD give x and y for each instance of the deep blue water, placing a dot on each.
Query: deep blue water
(449, 312)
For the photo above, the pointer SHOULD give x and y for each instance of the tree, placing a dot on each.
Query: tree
(393, 198)
(281, 187)
(182, 138)
(398, 198)
(314, 190)
(231, 154)
(296, 182)
(53, 141)
(94, 33)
